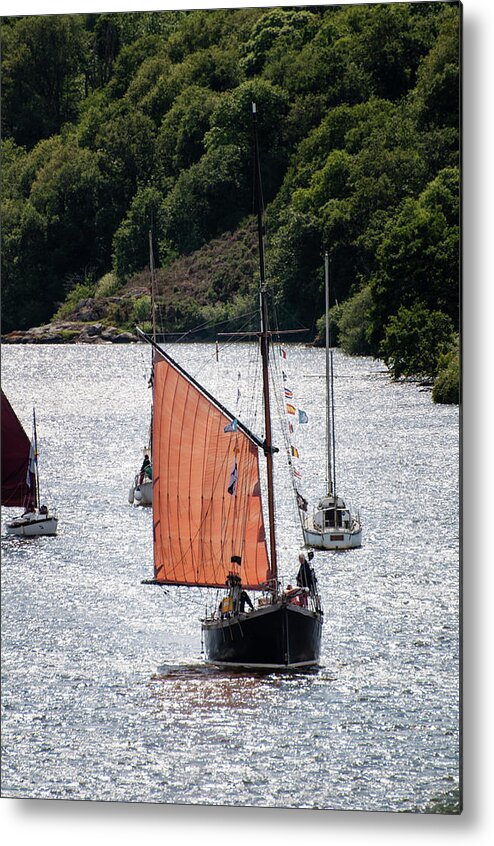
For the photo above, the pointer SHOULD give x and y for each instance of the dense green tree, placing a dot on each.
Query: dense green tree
(131, 240)
(196, 209)
(201, 29)
(130, 59)
(105, 48)
(446, 388)
(133, 25)
(436, 97)
(414, 339)
(180, 140)
(295, 254)
(43, 64)
(49, 236)
(231, 125)
(354, 323)
(388, 41)
(279, 31)
(125, 145)
(153, 88)
(417, 259)
(26, 301)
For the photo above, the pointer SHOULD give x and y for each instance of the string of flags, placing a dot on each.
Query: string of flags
(294, 412)
(301, 417)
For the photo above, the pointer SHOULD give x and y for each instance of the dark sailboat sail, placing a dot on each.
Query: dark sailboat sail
(18, 487)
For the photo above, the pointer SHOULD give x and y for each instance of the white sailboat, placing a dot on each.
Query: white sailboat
(20, 478)
(331, 525)
(141, 489)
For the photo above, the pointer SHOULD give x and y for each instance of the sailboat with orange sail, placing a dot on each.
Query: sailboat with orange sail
(209, 524)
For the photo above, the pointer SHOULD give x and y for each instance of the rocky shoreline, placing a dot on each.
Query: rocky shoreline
(70, 332)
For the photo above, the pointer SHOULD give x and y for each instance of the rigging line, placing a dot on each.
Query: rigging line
(281, 402)
(287, 441)
(208, 324)
(227, 344)
(191, 381)
(210, 358)
(179, 601)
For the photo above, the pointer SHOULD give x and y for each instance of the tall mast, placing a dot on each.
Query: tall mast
(36, 469)
(328, 399)
(151, 270)
(153, 312)
(264, 338)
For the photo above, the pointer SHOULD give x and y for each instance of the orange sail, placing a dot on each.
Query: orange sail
(206, 497)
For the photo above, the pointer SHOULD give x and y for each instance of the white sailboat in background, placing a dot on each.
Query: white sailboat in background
(141, 490)
(332, 525)
(20, 478)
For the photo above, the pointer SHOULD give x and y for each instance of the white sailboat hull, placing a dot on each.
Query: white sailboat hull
(141, 494)
(333, 538)
(332, 526)
(32, 525)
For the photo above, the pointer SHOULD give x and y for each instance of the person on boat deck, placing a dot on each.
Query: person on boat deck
(43, 509)
(245, 600)
(305, 575)
(236, 603)
(145, 468)
(296, 598)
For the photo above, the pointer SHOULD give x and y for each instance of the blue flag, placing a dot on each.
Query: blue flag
(302, 417)
(232, 484)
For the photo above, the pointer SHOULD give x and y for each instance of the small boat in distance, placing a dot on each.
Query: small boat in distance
(331, 525)
(20, 478)
(209, 526)
(141, 490)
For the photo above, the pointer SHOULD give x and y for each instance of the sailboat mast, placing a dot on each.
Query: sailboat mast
(151, 270)
(36, 470)
(264, 338)
(328, 375)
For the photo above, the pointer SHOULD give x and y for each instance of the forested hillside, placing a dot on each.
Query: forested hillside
(115, 124)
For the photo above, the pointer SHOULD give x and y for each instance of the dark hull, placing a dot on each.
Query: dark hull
(280, 636)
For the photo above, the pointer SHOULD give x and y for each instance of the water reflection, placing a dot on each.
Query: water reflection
(203, 686)
(104, 692)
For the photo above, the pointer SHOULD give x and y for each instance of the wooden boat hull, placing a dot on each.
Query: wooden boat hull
(275, 637)
(32, 526)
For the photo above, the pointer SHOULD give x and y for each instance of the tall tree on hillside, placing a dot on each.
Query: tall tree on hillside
(43, 64)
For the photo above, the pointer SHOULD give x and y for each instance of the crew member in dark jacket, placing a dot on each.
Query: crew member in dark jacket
(245, 600)
(305, 575)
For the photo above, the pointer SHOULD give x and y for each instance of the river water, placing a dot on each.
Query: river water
(105, 695)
